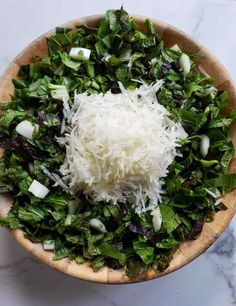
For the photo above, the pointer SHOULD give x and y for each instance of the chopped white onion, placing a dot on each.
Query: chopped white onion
(58, 92)
(49, 245)
(38, 190)
(72, 206)
(68, 219)
(211, 193)
(175, 48)
(156, 219)
(153, 61)
(59, 182)
(55, 178)
(205, 145)
(218, 201)
(97, 225)
(26, 128)
(81, 54)
(185, 64)
(45, 171)
(106, 57)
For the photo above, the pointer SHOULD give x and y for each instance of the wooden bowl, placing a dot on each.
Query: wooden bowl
(188, 250)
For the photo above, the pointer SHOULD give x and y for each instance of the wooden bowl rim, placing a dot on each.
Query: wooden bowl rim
(211, 231)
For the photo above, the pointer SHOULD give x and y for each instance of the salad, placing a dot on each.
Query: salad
(82, 183)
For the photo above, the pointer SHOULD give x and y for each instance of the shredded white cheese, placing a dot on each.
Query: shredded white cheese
(119, 146)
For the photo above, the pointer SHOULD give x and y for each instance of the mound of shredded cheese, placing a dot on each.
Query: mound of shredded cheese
(119, 146)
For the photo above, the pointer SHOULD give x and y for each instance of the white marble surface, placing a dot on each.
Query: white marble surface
(211, 279)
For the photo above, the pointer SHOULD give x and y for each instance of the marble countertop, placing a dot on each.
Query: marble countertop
(211, 279)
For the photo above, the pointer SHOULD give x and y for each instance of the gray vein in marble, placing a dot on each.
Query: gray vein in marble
(228, 278)
(202, 14)
(16, 263)
(224, 249)
(15, 269)
(226, 246)
(24, 265)
(18, 267)
(105, 298)
(199, 20)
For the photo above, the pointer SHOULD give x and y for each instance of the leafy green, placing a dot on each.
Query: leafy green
(167, 243)
(226, 181)
(145, 252)
(11, 221)
(98, 263)
(32, 214)
(170, 219)
(108, 250)
(69, 62)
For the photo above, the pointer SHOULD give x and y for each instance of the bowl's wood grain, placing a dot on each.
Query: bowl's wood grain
(188, 250)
